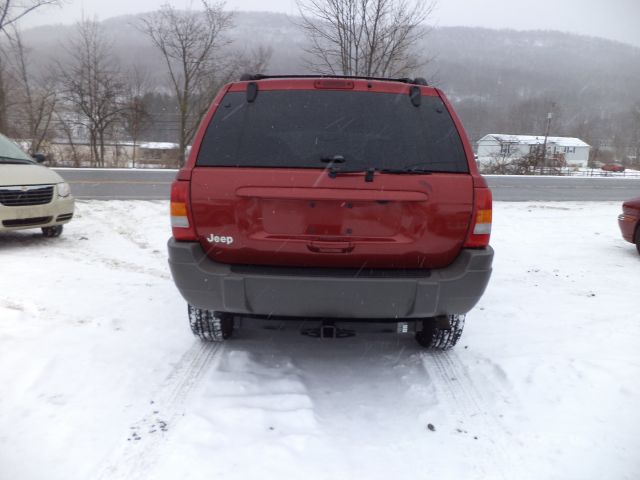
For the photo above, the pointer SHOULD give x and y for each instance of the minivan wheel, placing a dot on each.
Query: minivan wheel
(51, 232)
(438, 337)
(210, 326)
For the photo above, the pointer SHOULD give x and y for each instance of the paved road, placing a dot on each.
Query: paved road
(537, 188)
(118, 184)
(110, 184)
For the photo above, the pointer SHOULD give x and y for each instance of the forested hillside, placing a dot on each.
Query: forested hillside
(500, 80)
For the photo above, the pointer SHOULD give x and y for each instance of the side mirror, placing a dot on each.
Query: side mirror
(39, 157)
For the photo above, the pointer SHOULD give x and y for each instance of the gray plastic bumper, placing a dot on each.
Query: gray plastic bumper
(290, 292)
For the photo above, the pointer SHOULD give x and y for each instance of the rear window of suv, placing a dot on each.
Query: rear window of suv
(299, 128)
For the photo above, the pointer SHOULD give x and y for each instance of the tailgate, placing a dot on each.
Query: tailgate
(302, 217)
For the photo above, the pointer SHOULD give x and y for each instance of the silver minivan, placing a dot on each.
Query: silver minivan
(31, 195)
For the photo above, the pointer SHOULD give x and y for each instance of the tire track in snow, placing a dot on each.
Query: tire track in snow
(256, 407)
(253, 412)
(126, 228)
(474, 414)
(138, 453)
(259, 389)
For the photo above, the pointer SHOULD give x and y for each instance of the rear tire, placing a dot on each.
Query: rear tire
(437, 338)
(50, 232)
(210, 326)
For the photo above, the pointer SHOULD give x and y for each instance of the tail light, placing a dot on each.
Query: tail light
(480, 230)
(181, 222)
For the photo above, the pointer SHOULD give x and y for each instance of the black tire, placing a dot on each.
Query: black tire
(210, 326)
(435, 337)
(51, 232)
(638, 238)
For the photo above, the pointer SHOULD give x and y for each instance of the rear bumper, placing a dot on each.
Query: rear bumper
(309, 293)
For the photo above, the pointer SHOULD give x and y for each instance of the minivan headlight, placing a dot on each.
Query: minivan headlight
(63, 189)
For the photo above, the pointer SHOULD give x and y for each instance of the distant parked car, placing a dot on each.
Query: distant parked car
(31, 195)
(629, 221)
(613, 167)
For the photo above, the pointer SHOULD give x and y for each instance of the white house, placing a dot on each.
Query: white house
(574, 151)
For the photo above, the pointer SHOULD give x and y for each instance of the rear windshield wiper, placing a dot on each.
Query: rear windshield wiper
(370, 172)
(335, 171)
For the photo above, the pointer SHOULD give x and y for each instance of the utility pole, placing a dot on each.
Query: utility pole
(544, 145)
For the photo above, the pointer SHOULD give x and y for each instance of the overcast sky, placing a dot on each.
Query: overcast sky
(614, 19)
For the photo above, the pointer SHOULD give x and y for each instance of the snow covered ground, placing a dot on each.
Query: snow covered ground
(101, 379)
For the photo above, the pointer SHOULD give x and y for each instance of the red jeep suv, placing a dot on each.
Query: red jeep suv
(331, 199)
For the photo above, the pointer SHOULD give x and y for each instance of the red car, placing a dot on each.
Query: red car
(613, 167)
(330, 200)
(629, 221)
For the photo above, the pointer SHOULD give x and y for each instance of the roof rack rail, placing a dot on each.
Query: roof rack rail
(248, 77)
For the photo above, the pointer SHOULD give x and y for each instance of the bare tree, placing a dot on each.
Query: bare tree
(500, 163)
(36, 97)
(510, 162)
(68, 130)
(254, 61)
(4, 92)
(364, 37)
(190, 42)
(136, 115)
(635, 133)
(531, 115)
(11, 10)
(93, 89)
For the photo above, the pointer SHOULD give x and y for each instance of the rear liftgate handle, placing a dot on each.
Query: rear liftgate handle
(330, 247)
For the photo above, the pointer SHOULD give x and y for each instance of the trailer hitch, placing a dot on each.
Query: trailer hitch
(328, 330)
